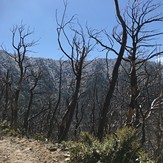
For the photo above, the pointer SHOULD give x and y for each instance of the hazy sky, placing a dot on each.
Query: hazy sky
(40, 16)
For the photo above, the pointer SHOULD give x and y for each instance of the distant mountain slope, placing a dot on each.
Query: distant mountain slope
(50, 67)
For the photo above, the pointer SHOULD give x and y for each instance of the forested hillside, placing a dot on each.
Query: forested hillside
(47, 89)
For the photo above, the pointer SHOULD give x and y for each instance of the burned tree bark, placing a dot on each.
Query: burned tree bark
(79, 49)
(114, 77)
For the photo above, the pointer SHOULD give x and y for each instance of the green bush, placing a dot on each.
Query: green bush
(120, 147)
(40, 136)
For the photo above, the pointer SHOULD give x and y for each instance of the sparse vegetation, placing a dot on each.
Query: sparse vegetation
(120, 147)
(119, 101)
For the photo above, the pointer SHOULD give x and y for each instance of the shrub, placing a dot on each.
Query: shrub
(120, 147)
(40, 137)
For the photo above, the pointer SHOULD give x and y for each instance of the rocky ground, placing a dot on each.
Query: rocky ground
(22, 150)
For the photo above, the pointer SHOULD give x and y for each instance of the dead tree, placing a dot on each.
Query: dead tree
(21, 48)
(114, 77)
(34, 79)
(139, 17)
(79, 49)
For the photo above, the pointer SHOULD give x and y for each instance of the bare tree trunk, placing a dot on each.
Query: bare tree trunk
(79, 51)
(103, 117)
(25, 125)
(67, 118)
(78, 120)
(15, 110)
(31, 96)
(133, 105)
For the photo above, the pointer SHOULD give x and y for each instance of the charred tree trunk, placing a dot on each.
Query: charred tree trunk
(103, 116)
(79, 49)
(133, 105)
(15, 110)
(25, 125)
(67, 119)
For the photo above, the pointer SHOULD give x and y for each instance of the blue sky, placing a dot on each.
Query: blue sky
(40, 16)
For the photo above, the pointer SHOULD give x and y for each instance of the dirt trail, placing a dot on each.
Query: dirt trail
(21, 150)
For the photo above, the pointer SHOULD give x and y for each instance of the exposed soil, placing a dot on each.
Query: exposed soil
(22, 150)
